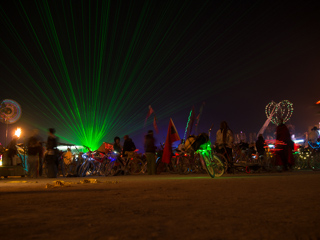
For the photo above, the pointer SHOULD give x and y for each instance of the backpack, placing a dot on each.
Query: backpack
(194, 142)
(201, 139)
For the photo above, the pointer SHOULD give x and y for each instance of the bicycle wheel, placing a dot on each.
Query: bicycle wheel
(135, 166)
(207, 164)
(103, 167)
(113, 168)
(82, 169)
(172, 167)
(315, 161)
(87, 169)
(219, 167)
(198, 167)
(223, 160)
(184, 165)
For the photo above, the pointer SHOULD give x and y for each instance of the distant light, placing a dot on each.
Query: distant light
(271, 145)
(318, 102)
(17, 132)
(299, 141)
(62, 148)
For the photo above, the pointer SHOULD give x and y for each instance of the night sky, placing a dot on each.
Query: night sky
(90, 69)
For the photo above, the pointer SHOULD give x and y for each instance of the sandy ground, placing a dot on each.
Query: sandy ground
(264, 206)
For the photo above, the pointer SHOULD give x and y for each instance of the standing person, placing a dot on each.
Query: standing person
(284, 146)
(150, 150)
(224, 140)
(116, 145)
(260, 145)
(34, 150)
(12, 148)
(52, 154)
(128, 145)
(313, 136)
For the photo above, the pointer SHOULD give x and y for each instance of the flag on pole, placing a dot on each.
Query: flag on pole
(149, 113)
(172, 136)
(155, 124)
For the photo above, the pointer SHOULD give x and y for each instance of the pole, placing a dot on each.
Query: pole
(6, 132)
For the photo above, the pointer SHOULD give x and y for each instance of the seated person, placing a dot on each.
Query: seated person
(68, 157)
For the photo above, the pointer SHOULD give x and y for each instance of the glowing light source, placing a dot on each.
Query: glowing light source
(318, 102)
(17, 132)
(282, 110)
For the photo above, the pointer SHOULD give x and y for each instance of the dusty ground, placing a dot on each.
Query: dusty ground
(264, 206)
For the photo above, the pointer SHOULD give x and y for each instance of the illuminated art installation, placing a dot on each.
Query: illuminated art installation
(10, 112)
(282, 110)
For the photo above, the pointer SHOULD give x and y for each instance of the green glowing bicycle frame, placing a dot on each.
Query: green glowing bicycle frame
(209, 161)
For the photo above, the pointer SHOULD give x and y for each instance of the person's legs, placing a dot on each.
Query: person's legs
(33, 166)
(148, 163)
(40, 166)
(285, 158)
(153, 163)
(51, 166)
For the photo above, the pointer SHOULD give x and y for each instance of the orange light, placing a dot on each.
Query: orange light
(318, 102)
(18, 132)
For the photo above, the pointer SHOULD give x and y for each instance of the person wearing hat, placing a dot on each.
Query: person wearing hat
(150, 151)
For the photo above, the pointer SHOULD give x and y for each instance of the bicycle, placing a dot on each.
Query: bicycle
(230, 165)
(207, 161)
(179, 163)
(128, 164)
(70, 167)
(315, 156)
(95, 163)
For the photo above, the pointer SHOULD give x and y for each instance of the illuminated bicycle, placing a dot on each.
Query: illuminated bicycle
(201, 146)
(209, 161)
(94, 164)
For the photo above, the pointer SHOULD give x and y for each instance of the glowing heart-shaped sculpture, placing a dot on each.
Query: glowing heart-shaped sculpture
(282, 110)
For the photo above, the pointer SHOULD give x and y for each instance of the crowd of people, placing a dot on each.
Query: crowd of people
(35, 151)
(224, 145)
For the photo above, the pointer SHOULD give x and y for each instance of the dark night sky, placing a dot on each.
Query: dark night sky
(237, 56)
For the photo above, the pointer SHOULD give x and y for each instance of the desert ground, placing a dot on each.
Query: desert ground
(235, 206)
